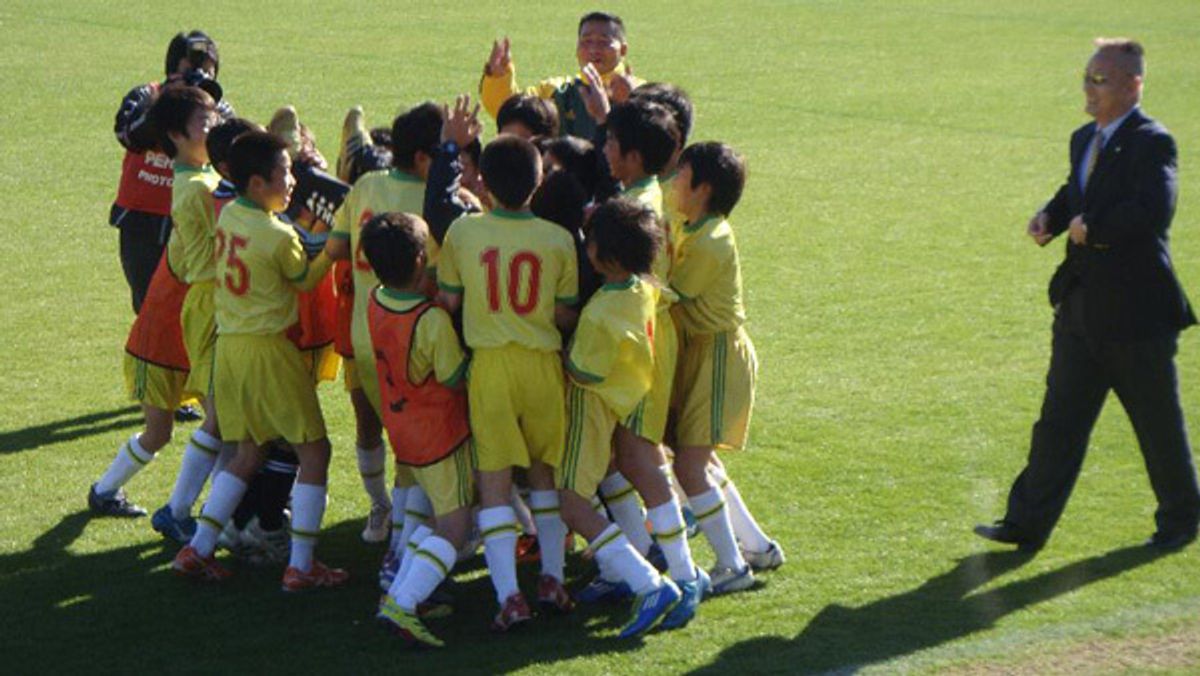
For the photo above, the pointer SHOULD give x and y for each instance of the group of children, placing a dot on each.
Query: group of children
(549, 329)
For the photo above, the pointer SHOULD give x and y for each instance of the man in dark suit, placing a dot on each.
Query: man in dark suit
(1118, 311)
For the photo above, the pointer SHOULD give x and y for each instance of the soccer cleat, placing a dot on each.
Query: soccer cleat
(189, 563)
(650, 608)
(693, 592)
(768, 560)
(179, 530)
(188, 413)
(406, 625)
(388, 570)
(553, 596)
(112, 504)
(230, 539)
(264, 547)
(319, 575)
(286, 125)
(379, 523)
(600, 589)
(528, 549)
(728, 580)
(514, 612)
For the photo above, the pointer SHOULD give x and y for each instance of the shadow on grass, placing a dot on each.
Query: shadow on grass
(122, 609)
(29, 438)
(842, 640)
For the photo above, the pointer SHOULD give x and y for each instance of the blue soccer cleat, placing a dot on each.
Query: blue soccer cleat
(650, 608)
(693, 592)
(179, 530)
(600, 589)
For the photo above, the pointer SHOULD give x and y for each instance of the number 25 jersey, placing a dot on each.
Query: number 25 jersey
(511, 268)
(259, 259)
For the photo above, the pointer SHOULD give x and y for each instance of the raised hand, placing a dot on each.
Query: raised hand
(595, 96)
(500, 59)
(621, 85)
(461, 123)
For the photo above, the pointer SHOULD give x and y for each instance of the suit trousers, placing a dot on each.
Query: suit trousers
(1082, 371)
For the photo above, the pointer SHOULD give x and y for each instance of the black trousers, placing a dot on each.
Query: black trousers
(143, 238)
(1082, 371)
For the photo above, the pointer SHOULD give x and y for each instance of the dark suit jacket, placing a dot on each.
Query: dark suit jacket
(1124, 271)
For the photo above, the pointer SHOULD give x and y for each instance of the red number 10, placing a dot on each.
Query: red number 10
(522, 259)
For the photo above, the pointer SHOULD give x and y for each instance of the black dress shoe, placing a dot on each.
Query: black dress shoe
(188, 413)
(1005, 533)
(1168, 542)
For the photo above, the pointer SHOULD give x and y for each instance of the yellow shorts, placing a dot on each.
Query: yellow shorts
(515, 397)
(155, 385)
(263, 391)
(590, 425)
(449, 482)
(649, 419)
(364, 368)
(322, 362)
(350, 374)
(199, 321)
(715, 385)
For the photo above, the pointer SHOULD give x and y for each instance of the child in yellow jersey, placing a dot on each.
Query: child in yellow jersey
(514, 276)
(601, 45)
(262, 388)
(611, 367)
(679, 104)
(401, 188)
(156, 360)
(421, 369)
(717, 365)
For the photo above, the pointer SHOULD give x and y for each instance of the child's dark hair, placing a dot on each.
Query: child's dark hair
(722, 168)
(172, 109)
(646, 127)
(381, 136)
(560, 199)
(392, 241)
(577, 157)
(625, 232)
(221, 137)
(254, 153)
(604, 17)
(192, 45)
(674, 100)
(537, 115)
(418, 129)
(473, 150)
(511, 168)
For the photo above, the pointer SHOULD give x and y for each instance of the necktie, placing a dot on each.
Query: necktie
(1097, 144)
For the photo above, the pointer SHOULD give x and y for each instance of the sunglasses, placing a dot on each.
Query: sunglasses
(1094, 79)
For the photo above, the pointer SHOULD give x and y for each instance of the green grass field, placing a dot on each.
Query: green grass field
(896, 150)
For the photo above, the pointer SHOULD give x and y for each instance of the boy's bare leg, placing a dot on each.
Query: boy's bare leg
(372, 465)
(227, 490)
(133, 455)
(708, 503)
(498, 524)
(308, 501)
(199, 457)
(551, 534)
(609, 544)
(425, 573)
(642, 462)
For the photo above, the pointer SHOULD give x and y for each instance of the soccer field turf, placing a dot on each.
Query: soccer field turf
(896, 150)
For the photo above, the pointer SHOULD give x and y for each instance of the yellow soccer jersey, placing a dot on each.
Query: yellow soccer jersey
(190, 248)
(494, 90)
(707, 277)
(435, 349)
(648, 192)
(511, 268)
(260, 263)
(375, 193)
(612, 350)
(671, 213)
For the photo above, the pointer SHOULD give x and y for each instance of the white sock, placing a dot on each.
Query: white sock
(308, 508)
(199, 456)
(228, 452)
(552, 532)
(372, 467)
(626, 510)
(671, 534)
(130, 460)
(399, 499)
(714, 521)
(613, 550)
(745, 528)
(417, 512)
(432, 563)
(410, 549)
(499, 528)
(524, 515)
(227, 491)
